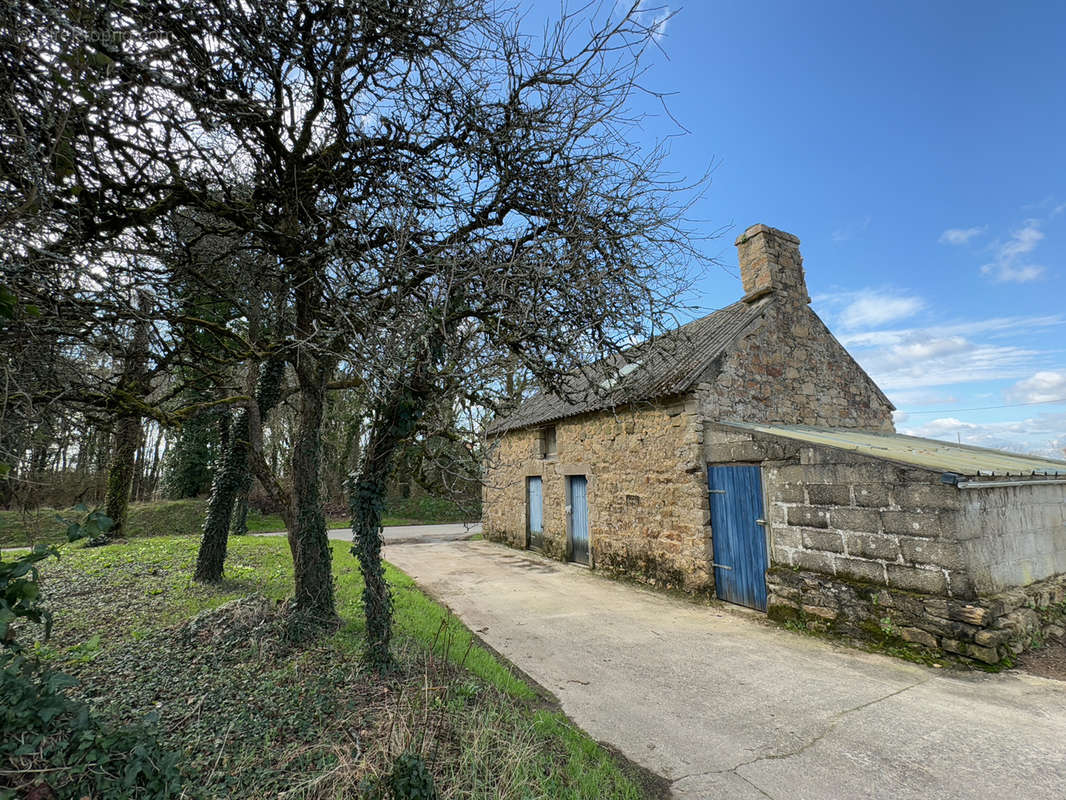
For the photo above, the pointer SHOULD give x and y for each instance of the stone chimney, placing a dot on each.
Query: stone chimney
(770, 261)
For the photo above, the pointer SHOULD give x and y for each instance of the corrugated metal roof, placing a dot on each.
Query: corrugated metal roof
(928, 453)
(667, 365)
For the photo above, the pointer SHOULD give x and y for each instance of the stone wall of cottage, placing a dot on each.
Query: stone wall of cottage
(875, 550)
(789, 369)
(648, 506)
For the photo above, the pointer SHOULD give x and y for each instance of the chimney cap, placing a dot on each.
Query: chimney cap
(755, 230)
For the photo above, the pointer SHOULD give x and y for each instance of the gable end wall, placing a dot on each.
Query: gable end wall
(789, 369)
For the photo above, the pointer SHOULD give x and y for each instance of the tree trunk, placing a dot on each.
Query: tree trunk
(308, 541)
(232, 473)
(120, 473)
(134, 384)
(224, 490)
(393, 425)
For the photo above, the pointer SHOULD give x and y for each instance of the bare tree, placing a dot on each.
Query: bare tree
(364, 153)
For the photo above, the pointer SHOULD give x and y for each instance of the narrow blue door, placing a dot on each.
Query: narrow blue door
(577, 497)
(535, 505)
(738, 535)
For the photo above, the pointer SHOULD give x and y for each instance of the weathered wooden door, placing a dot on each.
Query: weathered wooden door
(737, 530)
(535, 510)
(577, 512)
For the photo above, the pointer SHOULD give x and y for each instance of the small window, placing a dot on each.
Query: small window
(548, 444)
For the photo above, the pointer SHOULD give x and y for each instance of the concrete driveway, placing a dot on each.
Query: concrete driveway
(409, 534)
(726, 706)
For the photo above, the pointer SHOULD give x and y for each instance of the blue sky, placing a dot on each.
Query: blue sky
(918, 150)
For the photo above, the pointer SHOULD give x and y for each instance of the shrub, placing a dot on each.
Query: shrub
(50, 745)
(49, 740)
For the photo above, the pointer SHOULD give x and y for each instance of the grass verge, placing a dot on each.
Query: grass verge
(254, 715)
(185, 518)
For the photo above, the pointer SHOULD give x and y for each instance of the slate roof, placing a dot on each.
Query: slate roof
(931, 454)
(668, 365)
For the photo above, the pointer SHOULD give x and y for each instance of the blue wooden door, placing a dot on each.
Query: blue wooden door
(535, 506)
(737, 531)
(578, 518)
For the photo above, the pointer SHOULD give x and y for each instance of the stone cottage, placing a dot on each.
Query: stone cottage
(747, 456)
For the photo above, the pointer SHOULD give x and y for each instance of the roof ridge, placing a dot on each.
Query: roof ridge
(672, 361)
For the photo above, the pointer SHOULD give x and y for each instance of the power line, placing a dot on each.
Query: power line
(988, 408)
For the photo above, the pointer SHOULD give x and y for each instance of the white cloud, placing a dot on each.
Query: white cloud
(660, 15)
(1044, 387)
(960, 235)
(945, 362)
(994, 327)
(914, 360)
(658, 25)
(1008, 263)
(870, 307)
(910, 398)
(877, 309)
(1044, 435)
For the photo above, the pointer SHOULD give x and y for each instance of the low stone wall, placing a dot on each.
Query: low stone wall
(987, 629)
(876, 550)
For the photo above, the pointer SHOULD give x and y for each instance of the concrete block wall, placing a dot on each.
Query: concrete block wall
(1013, 536)
(648, 505)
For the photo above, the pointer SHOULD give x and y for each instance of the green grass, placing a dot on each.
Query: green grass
(184, 518)
(431, 509)
(269, 523)
(256, 716)
(157, 518)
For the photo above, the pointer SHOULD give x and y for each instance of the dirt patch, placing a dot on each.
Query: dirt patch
(1047, 662)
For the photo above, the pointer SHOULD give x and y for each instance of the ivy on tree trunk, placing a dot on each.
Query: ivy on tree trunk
(232, 475)
(394, 423)
(120, 476)
(132, 386)
(308, 540)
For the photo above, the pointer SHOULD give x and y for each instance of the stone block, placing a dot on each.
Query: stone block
(974, 615)
(872, 545)
(989, 655)
(928, 551)
(813, 561)
(910, 523)
(830, 494)
(787, 493)
(928, 496)
(781, 555)
(858, 569)
(871, 495)
(918, 636)
(830, 541)
(784, 536)
(791, 474)
(916, 579)
(936, 606)
(808, 517)
(961, 585)
(821, 612)
(855, 519)
(990, 638)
